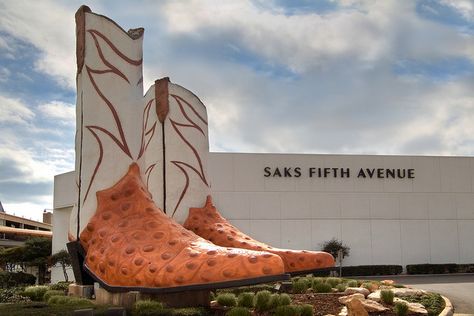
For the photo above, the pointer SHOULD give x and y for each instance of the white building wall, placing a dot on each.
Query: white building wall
(428, 219)
(64, 198)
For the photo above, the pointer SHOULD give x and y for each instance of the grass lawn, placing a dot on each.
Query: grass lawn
(43, 309)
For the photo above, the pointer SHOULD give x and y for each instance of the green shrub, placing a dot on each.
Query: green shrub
(401, 309)
(274, 301)
(35, 293)
(352, 283)
(341, 287)
(147, 308)
(322, 288)
(13, 295)
(306, 310)
(317, 280)
(465, 268)
(372, 270)
(12, 279)
(50, 293)
(300, 286)
(427, 268)
(60, 286)
(187, 311)
(284, 299)
(333, 281)
(387, 296)
(262, 300)
(288, 310)
(367, 285)
(227, 299)
(238, 311)
(433, 302)
(245, 299)
(398, 285)
(242, 289)
(57, 299)
(69, 301)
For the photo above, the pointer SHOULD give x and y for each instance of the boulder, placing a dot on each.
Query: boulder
(343, 311)
(388, 282)
(353, 290)
(401, 292)
(372, 306)
(345, 299)
(375, 296)
(355, 308)
(412, 307)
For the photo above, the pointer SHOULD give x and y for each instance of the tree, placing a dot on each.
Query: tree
(335, 248)
(12, 257)
(64, 259)
(36, 253)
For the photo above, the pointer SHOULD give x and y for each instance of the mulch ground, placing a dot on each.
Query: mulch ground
(324, 304)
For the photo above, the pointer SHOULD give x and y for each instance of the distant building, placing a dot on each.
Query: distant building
(15, 230)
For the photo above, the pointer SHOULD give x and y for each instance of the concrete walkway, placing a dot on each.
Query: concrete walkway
(459, 288)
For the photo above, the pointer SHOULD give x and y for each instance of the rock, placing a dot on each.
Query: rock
(412, 307)
(355, 308)
(343, 311)
(417, 308)
(374, 287)
(353, 290)
(345, 299)
(213, 304)
(375, 296)
(388, 282)
(401, 292)
(373, 306)
(399, 300)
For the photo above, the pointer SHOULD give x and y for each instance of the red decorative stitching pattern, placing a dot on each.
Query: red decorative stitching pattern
(145, 132)
(149, 170)
(101, 154)
(176, 97)
(121, 140)
(116, 50)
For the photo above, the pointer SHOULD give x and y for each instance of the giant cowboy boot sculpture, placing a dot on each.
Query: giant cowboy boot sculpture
(186, 147)
(118, 222)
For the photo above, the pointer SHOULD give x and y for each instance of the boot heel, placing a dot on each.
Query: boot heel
(77, 258)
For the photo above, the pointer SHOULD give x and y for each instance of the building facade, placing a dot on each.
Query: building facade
(387, 209)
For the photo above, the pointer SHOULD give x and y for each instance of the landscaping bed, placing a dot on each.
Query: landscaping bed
(303, 296)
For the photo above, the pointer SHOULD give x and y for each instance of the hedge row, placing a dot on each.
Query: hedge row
(10, 279)
(368, 270)
(372, 270)
(365, 270)
(442, 268)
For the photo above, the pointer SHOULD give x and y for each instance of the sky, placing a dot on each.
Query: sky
(392, 77)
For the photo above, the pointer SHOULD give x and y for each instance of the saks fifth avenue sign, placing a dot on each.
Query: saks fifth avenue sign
(362, 173)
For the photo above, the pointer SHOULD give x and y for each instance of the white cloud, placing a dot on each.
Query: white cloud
(58, 110)
(371, 32)
(464, 7)
(28, 210)
(14, 111)
(4, 74)
(49, 26)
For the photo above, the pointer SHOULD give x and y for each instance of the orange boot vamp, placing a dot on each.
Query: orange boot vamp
(209, 224)
(131, 242)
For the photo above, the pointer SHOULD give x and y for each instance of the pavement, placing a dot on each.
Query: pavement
(458, 288)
